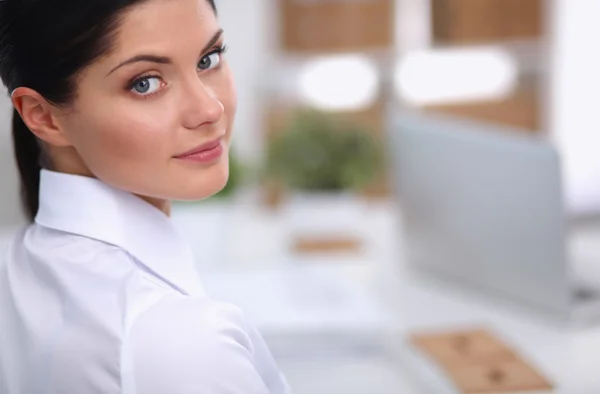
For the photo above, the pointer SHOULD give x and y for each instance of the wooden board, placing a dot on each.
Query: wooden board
(332, 244)
(477, 361)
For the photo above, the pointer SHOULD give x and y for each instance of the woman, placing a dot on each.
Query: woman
(120, 107)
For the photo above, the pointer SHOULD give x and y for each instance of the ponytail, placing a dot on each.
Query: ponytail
(28, 155)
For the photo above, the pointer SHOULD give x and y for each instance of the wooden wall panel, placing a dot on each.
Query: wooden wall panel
(316, 26)
(521, 110)
(483, 21)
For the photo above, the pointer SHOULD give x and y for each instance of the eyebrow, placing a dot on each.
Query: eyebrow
(163, 59)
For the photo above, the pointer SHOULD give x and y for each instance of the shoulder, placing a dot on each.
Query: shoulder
(68, 264)
(42, 245)
(38, 238)
(193, 345)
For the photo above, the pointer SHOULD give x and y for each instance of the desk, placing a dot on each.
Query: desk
(569, 358)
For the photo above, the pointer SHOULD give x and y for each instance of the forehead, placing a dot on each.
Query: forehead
(157, 24)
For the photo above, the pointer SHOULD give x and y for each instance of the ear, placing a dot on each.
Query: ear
(39, 116)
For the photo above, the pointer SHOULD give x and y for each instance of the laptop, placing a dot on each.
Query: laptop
(482, 207)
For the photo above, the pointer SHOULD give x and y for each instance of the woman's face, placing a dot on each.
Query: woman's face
(154, 116)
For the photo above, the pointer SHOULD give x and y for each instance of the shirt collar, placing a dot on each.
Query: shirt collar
(90, 208)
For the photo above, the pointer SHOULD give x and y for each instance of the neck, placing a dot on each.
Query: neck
(160, 204)
(69, 162)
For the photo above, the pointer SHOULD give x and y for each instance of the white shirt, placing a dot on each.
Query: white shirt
(100, 295)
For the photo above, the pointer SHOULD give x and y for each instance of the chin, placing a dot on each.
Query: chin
(203, 184)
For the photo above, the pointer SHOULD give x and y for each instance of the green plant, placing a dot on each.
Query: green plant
(316, 152)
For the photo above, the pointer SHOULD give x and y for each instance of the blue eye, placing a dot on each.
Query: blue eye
(211, 60)
(146, 85)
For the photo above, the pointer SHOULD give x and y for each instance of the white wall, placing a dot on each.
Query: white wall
(251, 34)
(412, 29)
(10, 209)
(574, 107)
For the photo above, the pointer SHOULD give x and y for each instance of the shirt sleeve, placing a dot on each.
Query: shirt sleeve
(192, 345)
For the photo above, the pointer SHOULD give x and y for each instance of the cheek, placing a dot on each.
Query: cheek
(128, 133)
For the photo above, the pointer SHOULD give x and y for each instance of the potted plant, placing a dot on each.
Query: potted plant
(323, 164)
(318, 153)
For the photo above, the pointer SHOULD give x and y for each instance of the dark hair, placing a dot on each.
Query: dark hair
(44, 45)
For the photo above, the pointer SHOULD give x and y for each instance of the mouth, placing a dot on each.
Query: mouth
(205, 153)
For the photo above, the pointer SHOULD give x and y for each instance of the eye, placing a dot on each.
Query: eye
(146, 85)
(211, 60)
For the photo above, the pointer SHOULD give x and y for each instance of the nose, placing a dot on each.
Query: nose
(201, 106)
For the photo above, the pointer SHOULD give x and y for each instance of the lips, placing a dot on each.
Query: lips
(206, 147)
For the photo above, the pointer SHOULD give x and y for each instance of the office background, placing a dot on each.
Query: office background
(530, 65)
